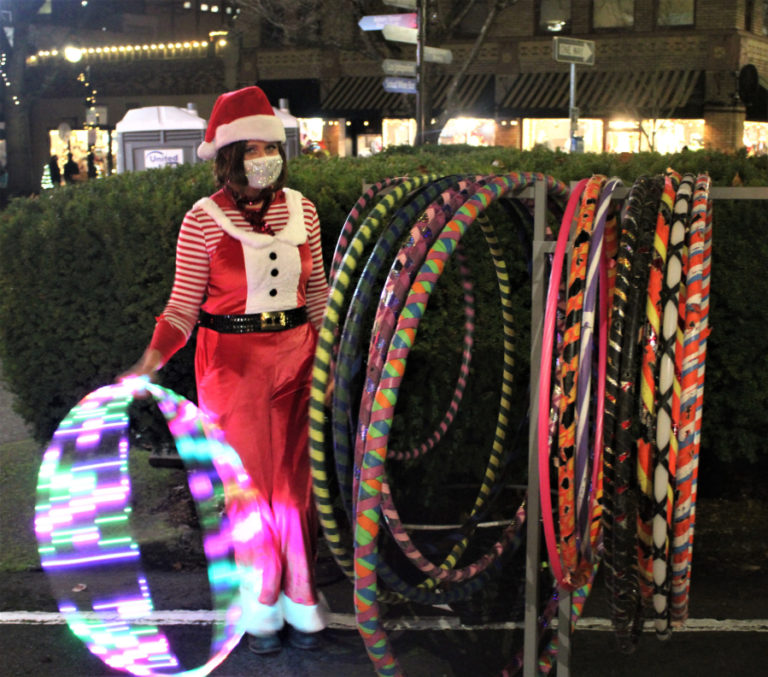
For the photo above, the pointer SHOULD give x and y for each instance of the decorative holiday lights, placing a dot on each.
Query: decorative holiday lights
(86, 546)
(135, 50)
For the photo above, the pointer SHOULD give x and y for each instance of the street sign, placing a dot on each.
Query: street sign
(438, 55)
(399, 34)
(409, 36)
(402, 4)
(375, 22)
(399, 67)
(573, 50)
(400, 85)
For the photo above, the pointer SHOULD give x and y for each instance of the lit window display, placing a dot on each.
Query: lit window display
(311, 135)
(623, 136)
(659, 135)
(756, 137)
(472, 131)
(555, 133)
(79, 142)
(672, 136)
(368, 144)
(398, 132)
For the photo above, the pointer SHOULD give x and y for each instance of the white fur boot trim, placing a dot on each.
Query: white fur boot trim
(258, 618)
(305, 617)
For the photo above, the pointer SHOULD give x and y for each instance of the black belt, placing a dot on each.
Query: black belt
(276, 320)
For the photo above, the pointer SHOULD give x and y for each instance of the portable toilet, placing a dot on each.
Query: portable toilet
(158, 136)
(291, 124)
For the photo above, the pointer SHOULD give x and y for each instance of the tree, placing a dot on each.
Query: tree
(297, 22)
(448, 30)
(17, 15)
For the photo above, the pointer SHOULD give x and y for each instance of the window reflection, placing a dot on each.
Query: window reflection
(555, 16)
(675, 13)
(613, 13)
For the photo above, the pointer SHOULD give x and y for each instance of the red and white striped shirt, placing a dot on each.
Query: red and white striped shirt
(301, 279)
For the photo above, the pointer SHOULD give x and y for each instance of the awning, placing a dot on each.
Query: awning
(657, 93)
(473, 95)
(349, 96)
(366, 96)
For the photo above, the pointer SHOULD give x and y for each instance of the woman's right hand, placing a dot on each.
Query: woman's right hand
(149, 363)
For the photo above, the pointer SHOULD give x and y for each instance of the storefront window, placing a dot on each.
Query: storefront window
(555, 16)
(397, 132)
(675, 13)
(765, 17)
(613, 13)
(659, 135)
(473, 131)
(368, 144)
(555, 133)
(311, 136)
(80, 142)
(672, 136)
(756, 138)
(623, 136)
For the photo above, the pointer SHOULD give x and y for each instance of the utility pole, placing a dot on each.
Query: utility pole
(421, 40)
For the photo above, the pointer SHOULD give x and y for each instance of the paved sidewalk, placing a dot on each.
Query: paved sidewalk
(12, 427)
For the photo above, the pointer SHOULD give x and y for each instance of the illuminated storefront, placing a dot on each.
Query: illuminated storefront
(472, 131)
(597, 135)
(398, 132)
(672, 136)
(554, 133)
(79, 142)
(311, 132)
(661, 135)
(756, 137)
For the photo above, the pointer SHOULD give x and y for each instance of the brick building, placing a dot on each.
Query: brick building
(666, 72)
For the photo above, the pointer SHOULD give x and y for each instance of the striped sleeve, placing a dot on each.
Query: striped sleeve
(178, 319)
(317, 285)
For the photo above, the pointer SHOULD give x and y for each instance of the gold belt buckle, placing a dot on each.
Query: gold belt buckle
(272, 320)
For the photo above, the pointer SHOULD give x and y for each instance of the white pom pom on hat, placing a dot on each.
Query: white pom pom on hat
(239, 116)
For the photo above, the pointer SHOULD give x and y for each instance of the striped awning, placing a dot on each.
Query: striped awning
(601, 92)
(473, 95)
(349, 95)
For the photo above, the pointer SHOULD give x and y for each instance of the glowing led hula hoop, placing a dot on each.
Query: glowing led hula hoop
(83, 528)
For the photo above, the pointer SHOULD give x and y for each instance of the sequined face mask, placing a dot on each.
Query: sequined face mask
(263, 171)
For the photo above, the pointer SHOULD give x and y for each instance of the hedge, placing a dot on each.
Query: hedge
(84, 270)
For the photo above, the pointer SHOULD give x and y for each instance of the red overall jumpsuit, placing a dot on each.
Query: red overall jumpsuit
(256, 387)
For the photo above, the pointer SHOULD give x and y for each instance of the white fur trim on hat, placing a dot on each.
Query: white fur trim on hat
(259, 127)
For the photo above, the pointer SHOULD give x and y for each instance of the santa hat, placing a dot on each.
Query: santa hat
(239, 116)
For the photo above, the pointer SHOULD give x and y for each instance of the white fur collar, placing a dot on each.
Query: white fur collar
(295, 232)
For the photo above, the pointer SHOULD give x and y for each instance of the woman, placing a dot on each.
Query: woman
(249, 271)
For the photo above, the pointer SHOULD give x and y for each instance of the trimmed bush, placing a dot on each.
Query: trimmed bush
(84, 270)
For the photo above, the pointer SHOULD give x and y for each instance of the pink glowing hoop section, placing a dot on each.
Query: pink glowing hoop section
(83, 528)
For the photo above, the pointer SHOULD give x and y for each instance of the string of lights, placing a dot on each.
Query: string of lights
(151, 50)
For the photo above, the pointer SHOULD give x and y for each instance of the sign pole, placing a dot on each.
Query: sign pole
(572, 112)
(421, 26)
(574, 51)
